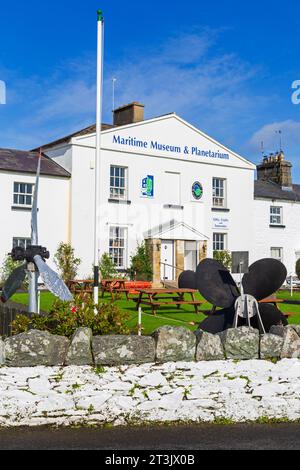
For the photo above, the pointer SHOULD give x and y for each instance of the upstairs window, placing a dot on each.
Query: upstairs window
(276, 215)
(219, 192)
(23, 194)
(118, 182)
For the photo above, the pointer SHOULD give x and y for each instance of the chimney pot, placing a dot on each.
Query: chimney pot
(129, 114)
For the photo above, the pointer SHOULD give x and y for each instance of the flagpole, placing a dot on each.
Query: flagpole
(98, 151)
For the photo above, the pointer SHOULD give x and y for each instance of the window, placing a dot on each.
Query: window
(276, 215)
(117, 246)
(219, 242)
(23, 194)
(219, 192)
(118, 182)
(23, 242)
(277, 253)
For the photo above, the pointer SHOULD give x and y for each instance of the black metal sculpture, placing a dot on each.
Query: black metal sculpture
(239, 307)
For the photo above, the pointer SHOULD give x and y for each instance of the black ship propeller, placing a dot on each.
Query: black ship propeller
(217, 286)
(34, 257)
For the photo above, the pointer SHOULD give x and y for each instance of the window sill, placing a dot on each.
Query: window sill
(220, 209)
(277, 226)
(21, 208)
(119, 201)
(173, 206)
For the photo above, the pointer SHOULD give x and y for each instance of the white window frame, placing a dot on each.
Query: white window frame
(280, 249)
(219, 192)
(118, 237)
(219, 242)
(18, 194)
(116, 190)
(274, 215)
(21, 241)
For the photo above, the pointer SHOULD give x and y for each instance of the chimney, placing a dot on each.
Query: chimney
(128, 114)
(277, 170)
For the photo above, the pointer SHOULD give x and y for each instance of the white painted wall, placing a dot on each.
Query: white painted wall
(52, 217)
(287, 238)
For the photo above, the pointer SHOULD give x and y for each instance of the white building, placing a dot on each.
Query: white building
(161, 180)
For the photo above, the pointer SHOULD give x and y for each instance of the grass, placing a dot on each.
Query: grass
(166, 315)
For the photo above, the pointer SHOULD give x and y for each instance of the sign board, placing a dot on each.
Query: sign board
(221, 223)
(147, 186)
(197, 191)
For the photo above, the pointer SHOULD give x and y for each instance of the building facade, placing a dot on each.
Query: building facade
(162, 181)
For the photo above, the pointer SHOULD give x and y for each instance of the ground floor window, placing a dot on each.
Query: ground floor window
(219, 242)
(118, 246)
(23, 242)
(277, 253)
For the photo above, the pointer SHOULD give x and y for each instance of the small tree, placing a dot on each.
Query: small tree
(224, 257)
(107, 267)
(298, 268)
(66, 261)
(141, 265)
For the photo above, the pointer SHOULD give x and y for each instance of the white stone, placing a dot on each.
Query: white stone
(154, 379)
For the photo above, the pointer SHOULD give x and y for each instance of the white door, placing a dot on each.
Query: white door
(190, 256)
(167, 260)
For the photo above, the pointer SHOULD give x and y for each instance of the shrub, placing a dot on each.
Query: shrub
(66, 262)
(224, 257)
(141, 265)
(108, 269)
(64, 319)
(8, 267)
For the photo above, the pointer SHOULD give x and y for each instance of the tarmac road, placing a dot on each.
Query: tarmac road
(201, 437)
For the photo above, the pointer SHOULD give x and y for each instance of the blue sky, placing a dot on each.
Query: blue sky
(225, 66)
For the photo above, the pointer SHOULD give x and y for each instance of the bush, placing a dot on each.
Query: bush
(107, 267)
(224, 257)
(8, 267)
(141, 265)
(64, 319)
(66, 262)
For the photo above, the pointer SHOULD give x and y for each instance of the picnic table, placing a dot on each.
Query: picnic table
(114, 286)
(79, 287)
(155, 298)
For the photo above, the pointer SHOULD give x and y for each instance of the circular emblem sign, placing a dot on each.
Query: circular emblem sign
(197, 191)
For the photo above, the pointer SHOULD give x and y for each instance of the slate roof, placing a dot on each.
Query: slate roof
(270, 190)
(21, 161)
(87, 130)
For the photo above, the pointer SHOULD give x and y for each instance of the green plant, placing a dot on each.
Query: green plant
(108, 269)
(64, 319)
(141, 265)
(66, 261)
(224, 257)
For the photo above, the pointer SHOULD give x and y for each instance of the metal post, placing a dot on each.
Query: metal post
(98, 151)
(33, 285)
(140, 322)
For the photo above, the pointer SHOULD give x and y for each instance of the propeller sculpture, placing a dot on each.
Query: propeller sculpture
(34, 265)
(218, 287)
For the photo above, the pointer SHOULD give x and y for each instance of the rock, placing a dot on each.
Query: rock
(122, 350)
(153, 379)
(2, 354)
(174, 344)
(241, 343)
(271, 346)
(35, 348)
(296, 328)
(291, 341)
(80, 350)
(209, 347)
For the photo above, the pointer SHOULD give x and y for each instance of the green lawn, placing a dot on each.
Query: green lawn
(166, 315)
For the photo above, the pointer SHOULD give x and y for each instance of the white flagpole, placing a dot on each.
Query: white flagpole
(98, 151)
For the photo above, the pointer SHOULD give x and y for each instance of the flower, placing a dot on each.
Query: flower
(74, 310)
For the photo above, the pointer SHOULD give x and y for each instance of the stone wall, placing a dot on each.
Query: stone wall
(167, 344)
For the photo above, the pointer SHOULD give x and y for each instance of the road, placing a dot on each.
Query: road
(201, 437)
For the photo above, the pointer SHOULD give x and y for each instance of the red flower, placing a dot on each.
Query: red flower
(74, 310)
